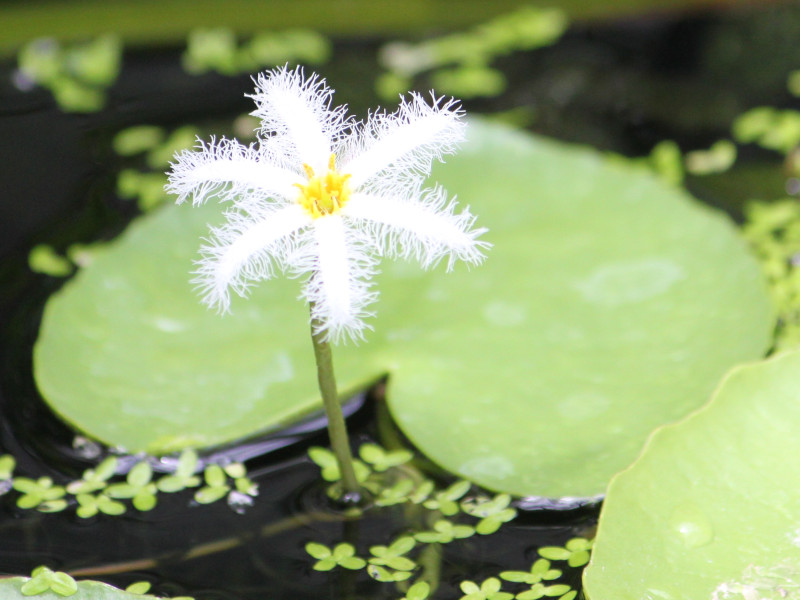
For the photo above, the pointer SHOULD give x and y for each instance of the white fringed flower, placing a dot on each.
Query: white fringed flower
(323, 194)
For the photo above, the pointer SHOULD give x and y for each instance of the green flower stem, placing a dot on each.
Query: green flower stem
(337, 429)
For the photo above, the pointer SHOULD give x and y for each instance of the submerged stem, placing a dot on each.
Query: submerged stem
(337, 429)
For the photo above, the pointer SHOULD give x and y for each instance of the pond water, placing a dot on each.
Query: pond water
(619, 86)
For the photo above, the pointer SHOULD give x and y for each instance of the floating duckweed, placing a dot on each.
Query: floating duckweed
(576, 552)
(36, 492)
(667, 162)
(138, 139)
(773, 231)
(468, 54)
(44, 259)
(769, 128)
(7, 465)
(718, 158)
(43, 580)
(77, 75)
(342, 555)
(138, 587)
(489, 589)
(218, 50)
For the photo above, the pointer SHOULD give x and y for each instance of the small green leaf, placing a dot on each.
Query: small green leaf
(214, 476)
(36, 585)
(171, 484)
(378, 573)
(208, 495)
(578, 558)
(25, 485)
(554, 553)
(140, 475)
(469, 587)
(121, 490)
(44, 259)
(371, 453)
(62, 584)
(187, 463)
(402, 545)
(343, 550)
(235, 470)
(138, 587)
(29, 501)
(457, 490)
(322, 457)
(326, 564)
(419, 591)
(144, 500)
(7, 465)
(52, 506)
(353, 563)
(318, 551)
(110, 507)
(556, 590)
(135, 140)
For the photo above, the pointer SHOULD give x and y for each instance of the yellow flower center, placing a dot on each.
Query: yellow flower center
(324, 194)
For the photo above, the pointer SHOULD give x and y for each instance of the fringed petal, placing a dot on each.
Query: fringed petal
(427, 229)
(228, 169)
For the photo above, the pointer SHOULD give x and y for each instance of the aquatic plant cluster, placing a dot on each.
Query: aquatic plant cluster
(316, 194)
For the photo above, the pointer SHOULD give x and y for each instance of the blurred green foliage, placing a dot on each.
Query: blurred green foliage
(76, 74)
(460, 63)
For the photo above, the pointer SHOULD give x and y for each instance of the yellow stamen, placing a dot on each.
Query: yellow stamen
(326, 194)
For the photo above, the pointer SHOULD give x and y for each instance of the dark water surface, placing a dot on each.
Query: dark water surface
(620, 86)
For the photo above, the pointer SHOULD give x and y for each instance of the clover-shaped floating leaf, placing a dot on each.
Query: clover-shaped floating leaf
(40, 493)
(392, 556)
(342, 555)
(446, 501)
(43, 579)
(488, 590)
(493, 512)
(94, 479)
(326, 461)
(540, 571)
(711, 503)
(539, 590)
(381, 460)
(90, 504)
(444, 532)
(138, 487)
(576, 552)
(184, 476)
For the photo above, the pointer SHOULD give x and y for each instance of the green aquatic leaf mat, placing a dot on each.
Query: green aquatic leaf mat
(609, 304)
(711, 506)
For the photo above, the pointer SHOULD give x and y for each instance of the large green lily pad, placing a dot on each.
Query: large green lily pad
(610, 304)
(128, 354)
(711, 506)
